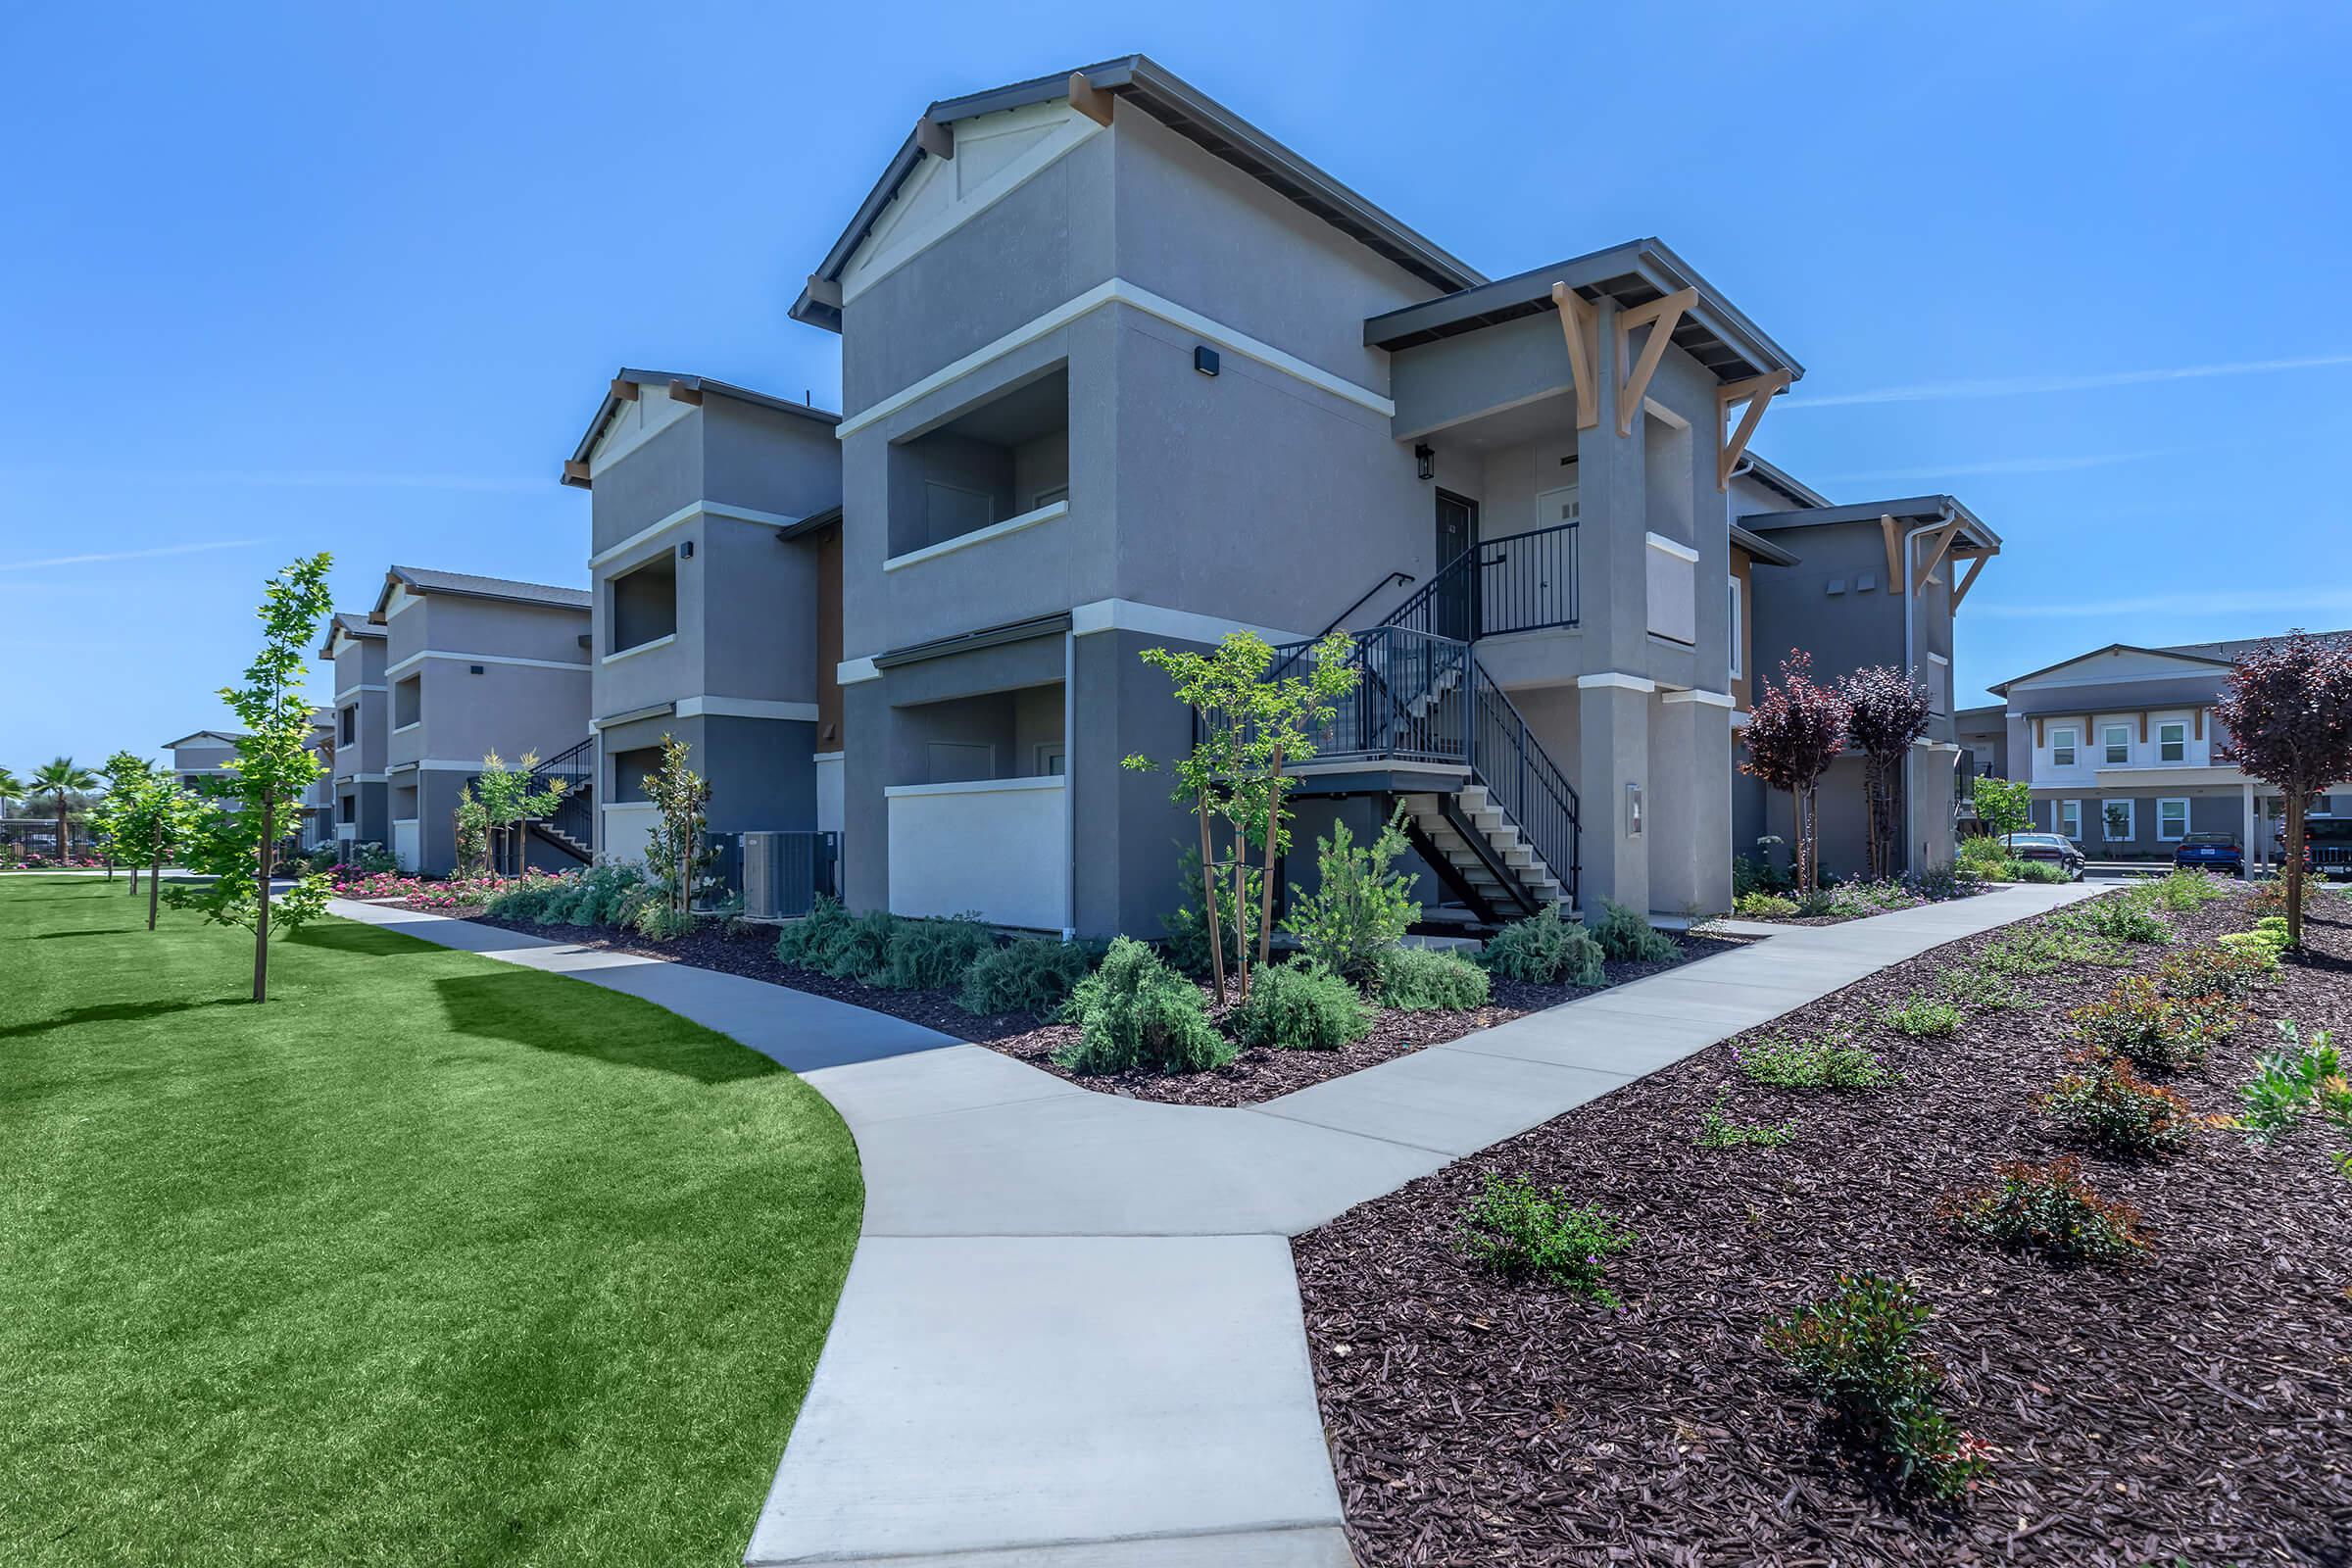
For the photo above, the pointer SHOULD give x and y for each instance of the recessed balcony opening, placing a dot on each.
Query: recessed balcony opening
(1008, 459)
(1012, 734)
(642, 605)
(407, 701)
(629, 772)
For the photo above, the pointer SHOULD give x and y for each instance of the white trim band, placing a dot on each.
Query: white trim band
(850, 671)
(745, 708)
(980, 536)
(685, 515)
(1680, 552)
(414, 659)
(1613, 678)
(354, 691)
(976, 786)
(634, 649)
(1158, 620)
(1118, 291)
(1707, 699)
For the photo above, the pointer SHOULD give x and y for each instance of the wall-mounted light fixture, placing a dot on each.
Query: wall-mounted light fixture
(1426, 459)
(686, 551)
(1633, 810)
(1205, 359)
(473, 669)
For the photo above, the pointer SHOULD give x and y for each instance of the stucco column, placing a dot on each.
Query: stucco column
(1690, 774)
(1612, 752)
(1928, 806)
(1612, 560)
(869, 726)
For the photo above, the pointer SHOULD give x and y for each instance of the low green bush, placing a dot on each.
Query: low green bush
(2038, 871)
(1815, 1061)
(1716, 1130)
(2186, 890)
(2109, 1107)
(659, 920)
(1987, 990)
(1854, 1349)
(2214, 971)
(1362, 905)
(2155, 1031)
(2047, 947)
(1426, 980)
(1923, 1017)
(2302, 1078)
(932, 954)
(2048, 1209)
(1545, 949)
(1985, 855)
(1187, 930)
(815, 939)
(1519, 1231)
(1135, 1011)
(2118, 917)
(862, 951)
(1763, 906)
(1626, 937)
(1032, 975)
(1300, 1006)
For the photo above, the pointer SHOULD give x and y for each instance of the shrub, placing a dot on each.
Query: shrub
(1851, 900)
(2110, 1106)
(526, 901)
(2215, 971)
(1542, 949)
(2117, 918)
(1135, 1011)
(1820, 1061)
(1939, 883)
(1519, 1231)
(1980, 986)
(2259, 948)
(2297, 1080)
(861, 951)
(1755, 873)
(931, 954)
(1629, 937)
(814, 940)
(2048, 1209)
(1923, 1017)
(2037, 871)
(1031, 975)
(1426, 980)
(1300, 1006)
(597, 896)
(2185, 889)
(2156, 1031)
(2270, 895)
(1855, 1350)
(1763, 906)
(659, 920)
(2045, 947)
(1717, 1131)
(1986, 857)
(1187, 930)
(1362, 905)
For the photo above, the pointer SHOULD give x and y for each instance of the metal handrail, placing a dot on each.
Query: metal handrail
(1519, 582)
(574, 816)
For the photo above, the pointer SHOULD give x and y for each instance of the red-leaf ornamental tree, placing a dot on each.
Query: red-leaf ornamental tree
(2287, 709)
(1793, 734)
(1887, 715)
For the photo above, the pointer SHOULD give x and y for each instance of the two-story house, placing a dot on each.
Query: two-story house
(716, 604)
(318, 796)
(357, 780)
(473, 665)
(204, 755)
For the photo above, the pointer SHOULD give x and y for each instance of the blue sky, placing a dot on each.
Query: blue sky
(275, 281)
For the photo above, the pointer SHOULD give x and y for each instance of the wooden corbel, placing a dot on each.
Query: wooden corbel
(1968, 579)
(624, 389)
(1660, 316)
(1089, 100)
(1943, 542)
(1757, 390)
(680, 392)
(824, 291)
(1580, 322)
(1894, 556)
(575, 474)
(934, 139)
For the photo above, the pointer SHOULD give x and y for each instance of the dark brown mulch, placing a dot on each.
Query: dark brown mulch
(2190, 1407)
(1256, 1074)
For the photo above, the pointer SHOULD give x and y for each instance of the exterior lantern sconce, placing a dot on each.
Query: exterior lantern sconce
(1204, 360)
(1633, 810)
(1425, 457)
(686, 551)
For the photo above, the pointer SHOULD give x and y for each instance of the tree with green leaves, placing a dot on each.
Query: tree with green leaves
(153, 819)
(678, 853)
(237, 838)
(10, 787)
(61, 778)
(123, 770)
(2287, 709)
(1251, 728)
(2005, 806)
(472, 826)
(509, 802)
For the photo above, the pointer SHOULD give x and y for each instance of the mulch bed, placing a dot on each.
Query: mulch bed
(2185, 1408)
(1257, 1074)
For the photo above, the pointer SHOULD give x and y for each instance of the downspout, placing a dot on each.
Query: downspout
(1911, 661)
(1069, 785)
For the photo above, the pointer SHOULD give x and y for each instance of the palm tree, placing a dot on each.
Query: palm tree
(61, 777)
(10, 788)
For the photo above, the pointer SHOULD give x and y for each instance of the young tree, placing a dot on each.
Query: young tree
(1795, 732)
(2005, 806)
(1888, 712)
(237, 841)
(61, 778)
(471, 828)
(2287, 709)
(678, 852)
(509, 802)
(124, 772)
(154, 819)
(1250, 729)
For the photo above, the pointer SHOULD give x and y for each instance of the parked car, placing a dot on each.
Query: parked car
(2210, 852)
(2053, 847)
(2326, 844)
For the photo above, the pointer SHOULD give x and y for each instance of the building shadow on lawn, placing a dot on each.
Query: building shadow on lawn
(366, 941)
(530, 1009)
(115, 1013)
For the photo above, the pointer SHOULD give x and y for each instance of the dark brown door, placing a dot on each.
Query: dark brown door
(1454, 604)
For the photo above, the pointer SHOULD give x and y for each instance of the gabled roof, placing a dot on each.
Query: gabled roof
(351, 623)
(2185, 657)
(2230, 648)
(1713, 332)
(1761, 547)
(425, 580)
(226, 737)
(685, 389)
(1134, 80)
(1911, 509)
(1773, 476)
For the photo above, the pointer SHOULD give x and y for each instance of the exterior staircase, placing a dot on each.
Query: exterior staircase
(573, 827)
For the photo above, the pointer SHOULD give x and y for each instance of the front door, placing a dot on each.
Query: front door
(1454, 605)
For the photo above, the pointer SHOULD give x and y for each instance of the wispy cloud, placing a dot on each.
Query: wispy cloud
(126, 554)
(2026, 385)
(2061, 464)
(2288, 605)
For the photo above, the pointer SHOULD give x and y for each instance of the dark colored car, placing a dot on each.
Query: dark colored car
(2326, 844)
(2210, 852)
(2056, 848)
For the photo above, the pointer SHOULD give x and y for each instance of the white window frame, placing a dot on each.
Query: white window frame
(2061, 812)
(2162, 837)
(1737, 634)
(2064, 740)
(2108, 745)
(2131, 831)
(2177, 729)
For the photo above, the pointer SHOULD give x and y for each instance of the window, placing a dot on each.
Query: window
(347, 809)
(1051, 760)
(2172, 821)
(2062, 747)
(2116, 820)
(407, 703)
(2067, 815)
(1047, 496)
(2171, 742)
(642, 606)
(2118, 741)
(1737, 634)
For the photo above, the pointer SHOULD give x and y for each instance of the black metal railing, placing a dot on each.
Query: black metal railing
(1406, 702)
(1519, 582)
(1523, 779)
(575, 816)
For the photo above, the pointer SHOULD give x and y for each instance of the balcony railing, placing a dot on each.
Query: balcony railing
(1519, 582)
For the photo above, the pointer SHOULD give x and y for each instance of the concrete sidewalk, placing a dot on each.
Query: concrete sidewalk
(1072, 1334)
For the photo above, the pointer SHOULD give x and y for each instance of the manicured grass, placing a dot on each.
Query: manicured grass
(430, 1260)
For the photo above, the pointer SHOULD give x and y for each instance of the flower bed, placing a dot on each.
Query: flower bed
(2188, 1405)
(1853, 900)
(44, 862)
(456, 895)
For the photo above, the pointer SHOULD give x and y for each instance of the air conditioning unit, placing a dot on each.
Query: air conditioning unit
(760, 900)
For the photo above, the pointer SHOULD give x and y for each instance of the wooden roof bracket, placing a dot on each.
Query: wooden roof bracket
(1089, 100)
(624, 389)
(1580, 322)
(1894, 556)
(934, 139)
(1757, 390)
(680, 392)
(1943, 542)
(1660, 316)
(1968, 579)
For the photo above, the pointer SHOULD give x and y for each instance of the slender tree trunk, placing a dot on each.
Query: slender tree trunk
(1241, 913)
(1265, 885)
(155, 880)
(1209, 889)
(2294, 867)
(64, 851)
(260, 916)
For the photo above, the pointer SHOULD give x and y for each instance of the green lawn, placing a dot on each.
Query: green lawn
(430, 1260)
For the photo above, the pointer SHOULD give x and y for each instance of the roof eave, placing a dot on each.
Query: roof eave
(1761, 547)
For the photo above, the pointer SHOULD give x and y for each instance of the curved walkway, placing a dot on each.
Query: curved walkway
(1071, 1333)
